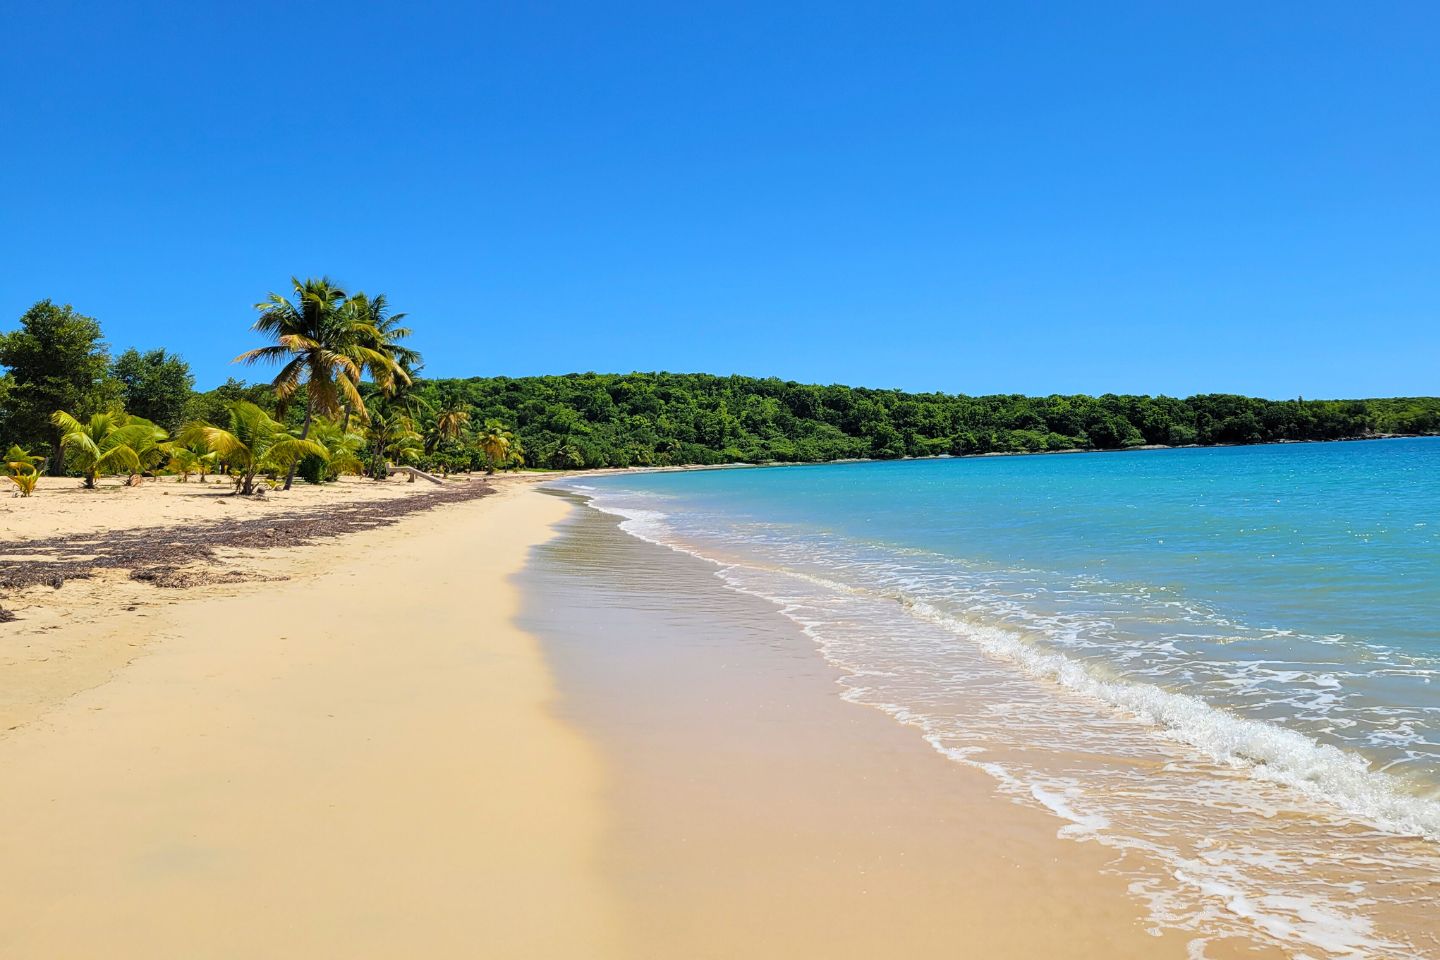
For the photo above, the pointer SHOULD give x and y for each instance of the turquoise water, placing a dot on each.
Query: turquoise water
(1223, 663)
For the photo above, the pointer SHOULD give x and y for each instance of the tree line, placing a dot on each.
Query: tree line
(639, 419)
(348, 388)
(344, 400)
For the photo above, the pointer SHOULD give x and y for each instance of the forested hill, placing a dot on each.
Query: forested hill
(613, 420)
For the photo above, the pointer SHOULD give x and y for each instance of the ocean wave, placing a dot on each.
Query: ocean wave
(1266, 750)
(1206, 890)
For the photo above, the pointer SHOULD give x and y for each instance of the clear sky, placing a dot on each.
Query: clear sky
(1151, 197)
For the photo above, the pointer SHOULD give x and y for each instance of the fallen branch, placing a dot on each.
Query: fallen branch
(416, 473)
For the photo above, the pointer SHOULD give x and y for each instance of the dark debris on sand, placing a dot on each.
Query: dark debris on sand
(167, 556)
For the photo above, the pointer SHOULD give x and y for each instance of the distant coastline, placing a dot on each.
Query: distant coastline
(741, 465)
(591, 420)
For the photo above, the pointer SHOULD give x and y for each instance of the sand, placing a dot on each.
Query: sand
(68, 641)
(61, 505)
(360, 761)
(754, 813)
(379, 756)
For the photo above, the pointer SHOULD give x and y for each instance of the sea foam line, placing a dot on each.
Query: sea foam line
(1266, 751)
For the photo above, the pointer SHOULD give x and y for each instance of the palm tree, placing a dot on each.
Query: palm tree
(254, 443)
(449, 424)
(495, 442)
(393, 439)
(380, 330)
(187, 458)
(20, 460)
(375, 312)
(325, 343)
(344, 446)
(149, 446)
(107, 443)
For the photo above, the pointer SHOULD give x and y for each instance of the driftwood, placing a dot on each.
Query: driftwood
(416, 473)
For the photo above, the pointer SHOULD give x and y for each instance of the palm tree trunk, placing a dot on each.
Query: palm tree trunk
(304, 433)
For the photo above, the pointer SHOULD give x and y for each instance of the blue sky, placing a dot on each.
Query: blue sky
(1130, 197)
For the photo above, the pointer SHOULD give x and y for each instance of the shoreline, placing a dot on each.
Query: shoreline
(1391, 924)
(258, 778)
(1069, 451)
(757, 812)
(505, 725)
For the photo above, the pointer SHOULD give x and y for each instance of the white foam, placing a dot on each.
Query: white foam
(1272, 754)
(1268, 751)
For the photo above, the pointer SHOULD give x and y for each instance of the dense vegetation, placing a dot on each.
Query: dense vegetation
(344, 400)
(347, 388)
(604, 420)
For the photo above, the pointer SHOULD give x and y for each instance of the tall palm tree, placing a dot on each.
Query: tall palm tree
(325, 343)
(375, 311)
(253, 443)
(381, 331)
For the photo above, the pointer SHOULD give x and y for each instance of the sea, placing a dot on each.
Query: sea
(1221, 663)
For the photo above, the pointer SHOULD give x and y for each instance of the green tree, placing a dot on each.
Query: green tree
(374, 312)
(496, 443)
(155, 385)
(392, 438)
(6, 384)
(57, 361)
(324, 345)
(213, 406)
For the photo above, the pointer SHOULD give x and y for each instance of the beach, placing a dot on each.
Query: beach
(1208, 671)
(359, 760)
(755, 813)
(498, 726)
(267, 775)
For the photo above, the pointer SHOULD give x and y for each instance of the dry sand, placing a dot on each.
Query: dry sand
(72, 640)
(357, 762)
(61, 505)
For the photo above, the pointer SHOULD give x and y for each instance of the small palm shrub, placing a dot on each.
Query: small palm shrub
(254, 444)
(21, 467)
(25, 482)
(109, 443)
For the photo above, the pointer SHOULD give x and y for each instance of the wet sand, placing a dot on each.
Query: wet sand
(755, 813)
